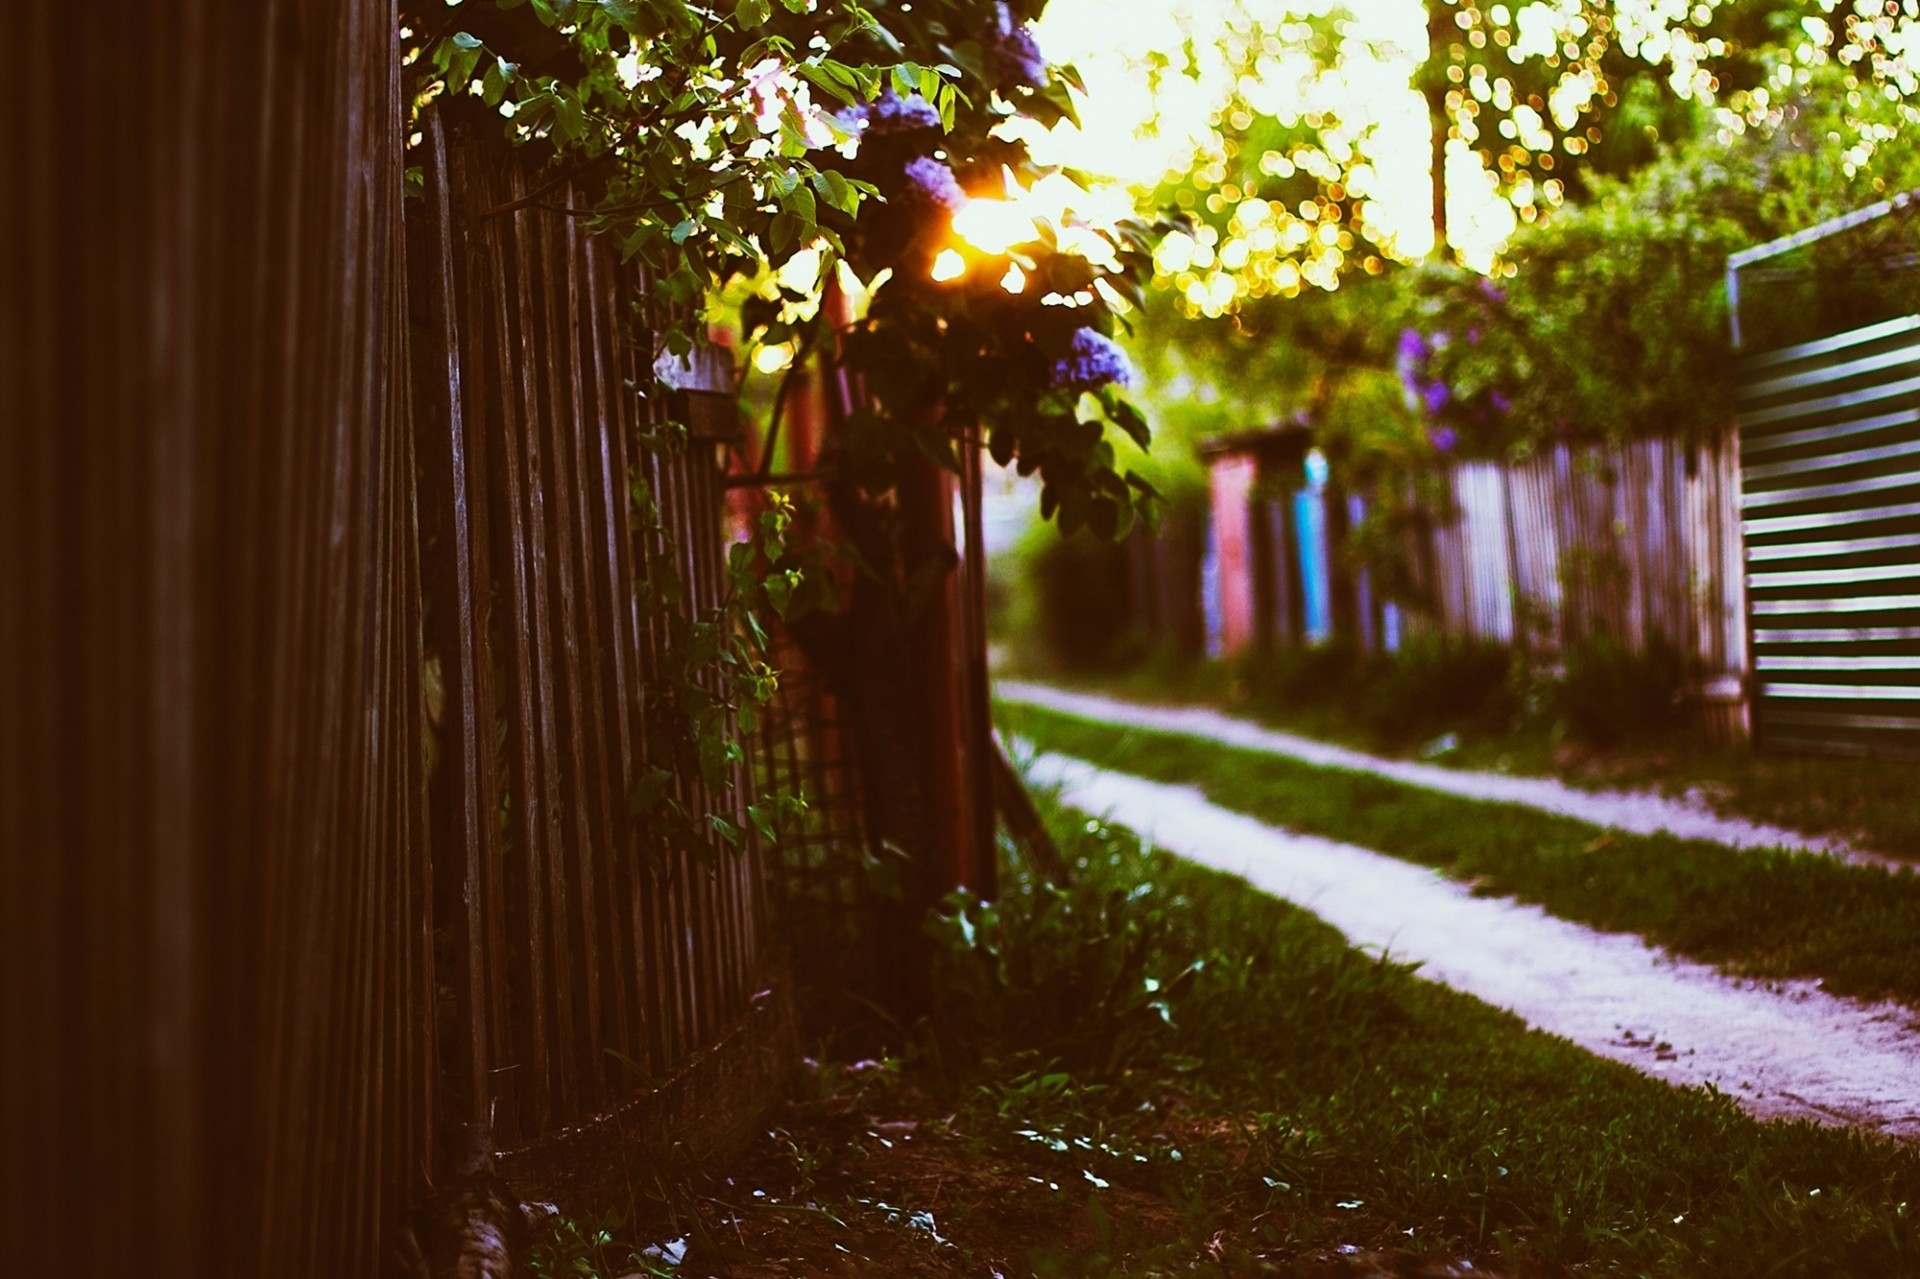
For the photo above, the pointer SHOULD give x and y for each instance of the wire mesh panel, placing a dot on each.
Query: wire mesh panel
(1830, 468)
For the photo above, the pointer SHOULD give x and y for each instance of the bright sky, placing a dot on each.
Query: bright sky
(1107, 45)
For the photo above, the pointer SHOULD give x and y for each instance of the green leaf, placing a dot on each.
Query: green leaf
(799, 202)
(649, 789)
(569, 118)
(831, 79)
(624, 12)
(493, 85)
(748, 14)
(462, 58)
(836, 191)
(672, 15)
(1129, 419)
(788, 231)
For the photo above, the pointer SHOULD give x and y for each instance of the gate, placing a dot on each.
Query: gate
(1830, 508)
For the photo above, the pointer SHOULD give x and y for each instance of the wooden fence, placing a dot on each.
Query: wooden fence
(323, 675)
(1639, 541)
(586, 954)
(219, 990)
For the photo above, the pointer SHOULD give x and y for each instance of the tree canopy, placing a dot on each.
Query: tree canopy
(1605, 314)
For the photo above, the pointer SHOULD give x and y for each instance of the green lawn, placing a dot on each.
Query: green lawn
(1301, 1093)
(1161, 1071)
(1869, 801)
(1769, 914)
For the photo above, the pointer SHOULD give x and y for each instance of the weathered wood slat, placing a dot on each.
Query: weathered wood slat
(325, 569)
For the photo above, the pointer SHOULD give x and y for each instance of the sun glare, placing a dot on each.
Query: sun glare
(994, 226)
(949, 265)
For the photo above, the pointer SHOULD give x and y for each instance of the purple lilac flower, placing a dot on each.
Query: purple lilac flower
(1093, 360)
(1411, 353)
(1443, 439)
(891, 113)
(1500, 403)
(1434, 395)
(932, 182)
(1491, 291)
(1412, 350)
(1012, 56)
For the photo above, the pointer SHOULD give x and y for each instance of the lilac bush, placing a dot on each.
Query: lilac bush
(931, 181)
(1412, 359)
(1093, 360)
(891, 113)
(1013, 59)
(1449, 409)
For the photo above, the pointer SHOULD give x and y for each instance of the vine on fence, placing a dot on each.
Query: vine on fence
(703, 698)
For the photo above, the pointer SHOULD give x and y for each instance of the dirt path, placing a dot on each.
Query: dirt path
(1781, 1049)
(1637, 812)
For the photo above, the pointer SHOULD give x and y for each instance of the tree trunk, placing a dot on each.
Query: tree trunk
(1434, 85)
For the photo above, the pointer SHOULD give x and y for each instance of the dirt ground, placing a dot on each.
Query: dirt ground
(877, 1179)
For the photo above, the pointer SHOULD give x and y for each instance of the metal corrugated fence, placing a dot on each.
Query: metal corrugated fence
(1830, 468)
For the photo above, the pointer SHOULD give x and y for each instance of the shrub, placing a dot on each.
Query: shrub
(1608, 694)
(1068, 975)
(1433, 685)
(1297, 678)
(1080, 599)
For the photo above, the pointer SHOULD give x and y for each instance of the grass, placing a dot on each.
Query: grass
(1765, 914)
(1870, 802)
(1232, 1090)
(1334, 1096)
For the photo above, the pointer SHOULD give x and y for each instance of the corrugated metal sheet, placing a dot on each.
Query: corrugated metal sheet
(1830, 466)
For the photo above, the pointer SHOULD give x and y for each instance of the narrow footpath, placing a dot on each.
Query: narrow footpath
(1781, 1049)
(1637, 812)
